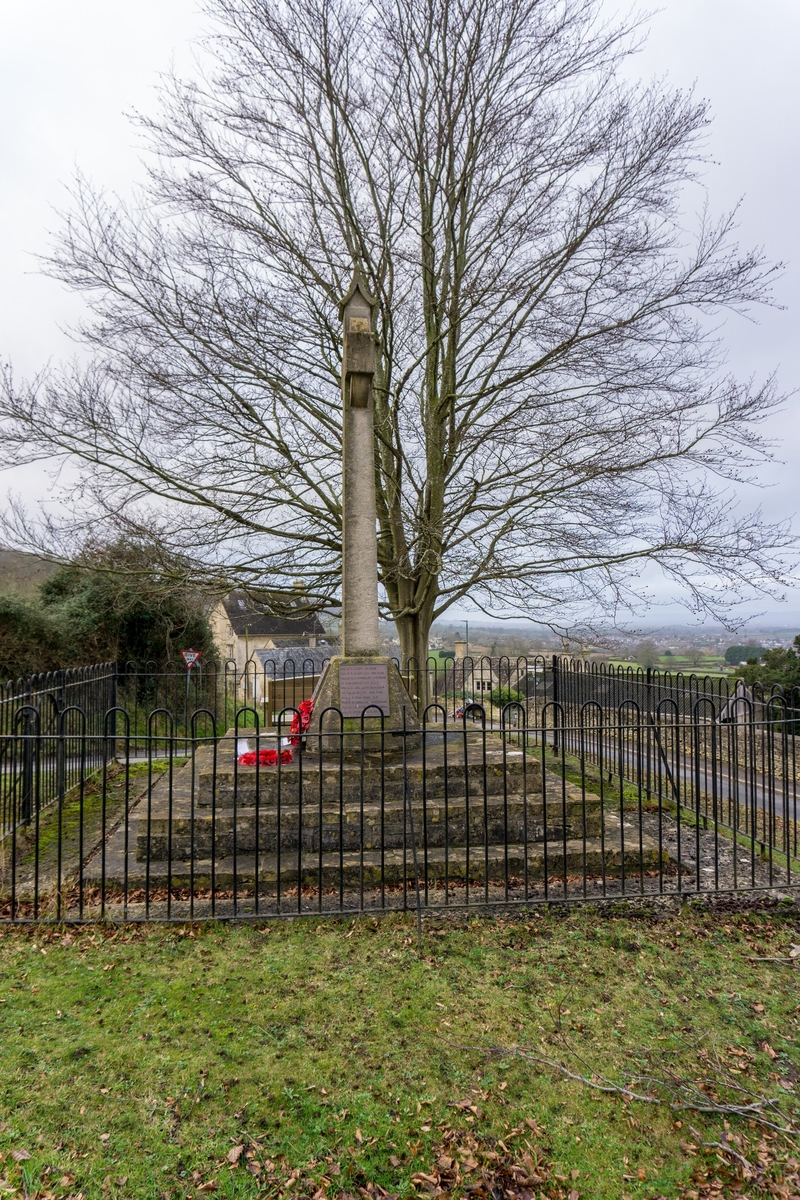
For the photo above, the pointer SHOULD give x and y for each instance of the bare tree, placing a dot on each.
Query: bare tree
(552, 406)
(647, 654)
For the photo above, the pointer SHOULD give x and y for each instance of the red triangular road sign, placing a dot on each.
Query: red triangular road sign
(190, 657)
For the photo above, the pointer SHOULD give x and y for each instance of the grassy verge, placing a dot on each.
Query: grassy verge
(82, 809)
(304, 1059)
(633, 797)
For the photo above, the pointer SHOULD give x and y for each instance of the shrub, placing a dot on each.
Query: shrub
(779, 666)
(504, 695)
(117, 602)
(29, 640)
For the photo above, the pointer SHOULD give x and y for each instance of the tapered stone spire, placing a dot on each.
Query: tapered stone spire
(360, 633)
(361, 703)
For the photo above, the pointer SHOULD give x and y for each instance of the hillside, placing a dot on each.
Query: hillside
(21, 573)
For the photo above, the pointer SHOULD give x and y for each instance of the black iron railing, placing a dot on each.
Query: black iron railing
(168, 815)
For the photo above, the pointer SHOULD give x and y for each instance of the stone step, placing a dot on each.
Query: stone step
(369, 868)
(496, 819)
(491, 768)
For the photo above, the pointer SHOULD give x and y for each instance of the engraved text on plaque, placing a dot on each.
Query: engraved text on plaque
(363, 685)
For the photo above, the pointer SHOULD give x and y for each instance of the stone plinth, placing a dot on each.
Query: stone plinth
(375, 707)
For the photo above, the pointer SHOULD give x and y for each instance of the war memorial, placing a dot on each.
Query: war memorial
(357, 788)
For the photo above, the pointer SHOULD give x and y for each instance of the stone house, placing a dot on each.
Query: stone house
(240, 629)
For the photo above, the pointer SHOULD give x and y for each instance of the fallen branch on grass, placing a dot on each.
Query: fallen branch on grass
(747, 1167)
(681, 1095)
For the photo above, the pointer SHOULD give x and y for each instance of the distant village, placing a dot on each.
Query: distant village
(243, 633)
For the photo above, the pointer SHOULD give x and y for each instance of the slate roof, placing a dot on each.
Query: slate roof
(243, 616)
(294, 660)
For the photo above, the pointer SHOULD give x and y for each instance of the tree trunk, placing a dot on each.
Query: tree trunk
(414, 632)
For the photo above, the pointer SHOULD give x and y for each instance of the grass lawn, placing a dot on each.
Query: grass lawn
(306, 1059)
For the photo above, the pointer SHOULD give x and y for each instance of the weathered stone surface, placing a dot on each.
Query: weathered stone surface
(393, 867)
(490, 821)
(433, 769)
(354, 736)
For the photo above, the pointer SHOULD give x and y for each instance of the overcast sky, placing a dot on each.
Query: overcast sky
(69, 72)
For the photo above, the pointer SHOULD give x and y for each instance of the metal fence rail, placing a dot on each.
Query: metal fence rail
(49, 711)
(56, 704)
(271, 685)
(163, 815)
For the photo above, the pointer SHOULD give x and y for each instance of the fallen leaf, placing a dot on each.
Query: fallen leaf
(573, 1195)
(211, 1186)
(67, 1180)
(234, 1154)
(445, 1163)
(765, 1046)
(758, 1008)
(395, 1161)
(359, 1136)
(104, 1137)
(20, 1155)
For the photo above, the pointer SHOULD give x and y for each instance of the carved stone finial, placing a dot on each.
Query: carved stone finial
(357, 285)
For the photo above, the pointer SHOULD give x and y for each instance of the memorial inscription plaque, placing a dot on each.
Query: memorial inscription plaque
(363, 685)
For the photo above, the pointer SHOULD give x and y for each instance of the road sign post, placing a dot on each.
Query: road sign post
(190, 657)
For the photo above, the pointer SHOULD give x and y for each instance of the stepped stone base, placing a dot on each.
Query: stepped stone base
(355, 869)
(496, 821)
(476, 809)
(439, 769)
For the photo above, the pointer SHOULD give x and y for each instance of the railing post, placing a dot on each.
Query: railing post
(26, 806)
(110, 744)
(556, 699)
(649, 720)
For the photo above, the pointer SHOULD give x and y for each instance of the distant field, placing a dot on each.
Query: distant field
(677, 662)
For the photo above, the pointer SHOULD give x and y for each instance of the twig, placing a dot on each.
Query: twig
(700, 1104)
(790, 961)
(726, 1149)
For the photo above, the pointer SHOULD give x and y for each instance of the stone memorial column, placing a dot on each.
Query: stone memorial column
(359, 633)
(360, 683)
